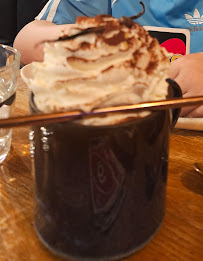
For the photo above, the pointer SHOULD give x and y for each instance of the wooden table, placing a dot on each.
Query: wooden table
(180, 237)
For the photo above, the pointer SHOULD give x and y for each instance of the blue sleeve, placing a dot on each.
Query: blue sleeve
(66, 11)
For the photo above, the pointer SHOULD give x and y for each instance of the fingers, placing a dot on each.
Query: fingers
(187, 72)
(177, 74)
(191, 111)
(174, 69)
(196, 112)
(186, 111)
(183, 82)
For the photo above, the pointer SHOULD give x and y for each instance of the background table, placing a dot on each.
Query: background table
(180, 237)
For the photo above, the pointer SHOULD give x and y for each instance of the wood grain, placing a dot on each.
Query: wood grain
(180, 237)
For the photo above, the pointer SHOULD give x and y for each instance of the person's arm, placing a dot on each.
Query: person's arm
(30, 40)
(187, 71)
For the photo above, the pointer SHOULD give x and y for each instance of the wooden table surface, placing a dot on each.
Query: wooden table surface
(180, 237)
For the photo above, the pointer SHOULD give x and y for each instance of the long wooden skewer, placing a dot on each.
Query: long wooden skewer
(37, 119)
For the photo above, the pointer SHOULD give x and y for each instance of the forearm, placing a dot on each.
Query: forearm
(30, 40)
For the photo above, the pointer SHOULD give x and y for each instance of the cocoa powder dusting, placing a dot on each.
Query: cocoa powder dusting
(85, 45)
(116, 39)
(108, 69)
(151, 66)
(153, 44)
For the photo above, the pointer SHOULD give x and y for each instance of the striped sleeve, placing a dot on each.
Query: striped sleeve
(49, 11)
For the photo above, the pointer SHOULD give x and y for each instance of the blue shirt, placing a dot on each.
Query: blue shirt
(186, 15)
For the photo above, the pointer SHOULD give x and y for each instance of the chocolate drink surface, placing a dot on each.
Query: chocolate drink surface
(100, 191)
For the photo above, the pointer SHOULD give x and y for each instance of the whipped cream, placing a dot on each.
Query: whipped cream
(120, 65)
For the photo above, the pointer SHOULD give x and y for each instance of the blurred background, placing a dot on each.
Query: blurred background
(14, 14)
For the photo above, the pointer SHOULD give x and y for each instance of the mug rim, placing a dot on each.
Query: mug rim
(106, 126)
(17, 56)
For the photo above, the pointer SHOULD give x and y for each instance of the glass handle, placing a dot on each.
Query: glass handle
(175, 92)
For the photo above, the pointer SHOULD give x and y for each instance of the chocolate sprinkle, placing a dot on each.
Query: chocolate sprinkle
(128, 21)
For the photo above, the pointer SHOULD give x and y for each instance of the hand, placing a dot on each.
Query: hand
(30, 40)
(187, 71)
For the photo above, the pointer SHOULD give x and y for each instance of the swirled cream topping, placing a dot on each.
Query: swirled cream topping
(121, 64)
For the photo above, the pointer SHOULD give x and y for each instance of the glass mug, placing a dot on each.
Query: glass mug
(9, 68)
(100, 190)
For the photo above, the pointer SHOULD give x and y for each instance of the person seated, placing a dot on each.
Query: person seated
(58, 16)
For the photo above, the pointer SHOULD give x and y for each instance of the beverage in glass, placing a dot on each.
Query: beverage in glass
(9, 67)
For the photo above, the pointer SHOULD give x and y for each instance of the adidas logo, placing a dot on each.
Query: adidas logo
(196, 19)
